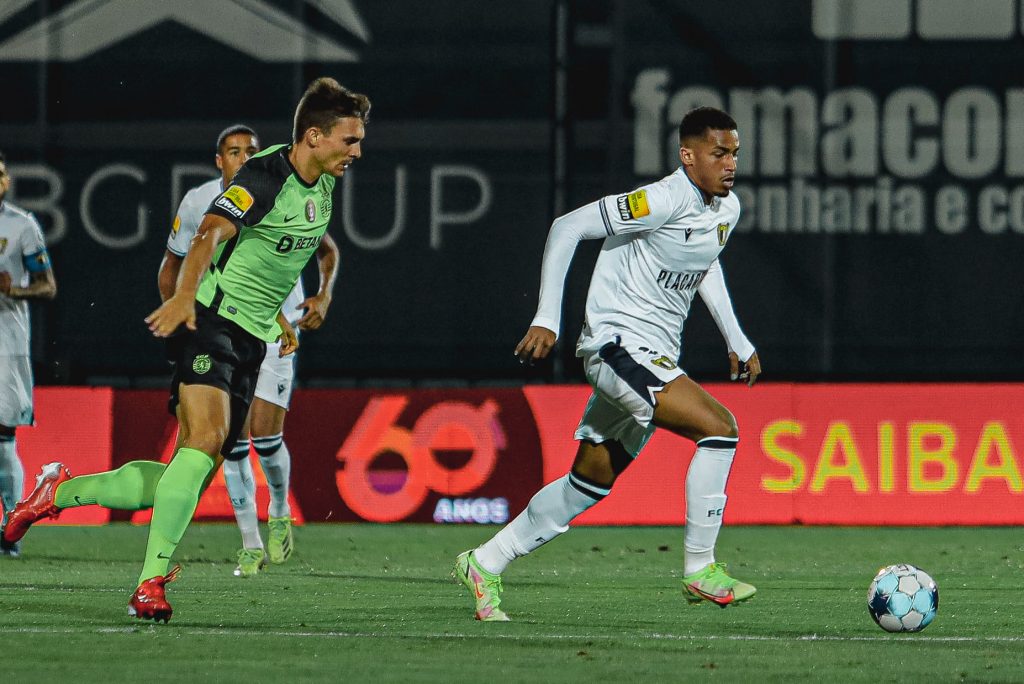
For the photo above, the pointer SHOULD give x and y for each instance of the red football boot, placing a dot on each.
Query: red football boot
(39, 503)
(148, 602)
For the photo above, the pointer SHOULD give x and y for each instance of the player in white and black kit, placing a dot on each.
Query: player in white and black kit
(661, 246)
(25, 274)
(274, 387)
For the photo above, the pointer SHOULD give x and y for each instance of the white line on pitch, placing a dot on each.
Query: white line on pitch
(208, 631)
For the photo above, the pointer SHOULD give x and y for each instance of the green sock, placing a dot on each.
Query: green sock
(129, 488)
(177, 495)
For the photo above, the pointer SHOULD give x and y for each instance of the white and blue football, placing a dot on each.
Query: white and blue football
(903, 598)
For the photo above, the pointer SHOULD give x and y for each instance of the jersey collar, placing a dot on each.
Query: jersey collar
(713, 204)
(284, 155)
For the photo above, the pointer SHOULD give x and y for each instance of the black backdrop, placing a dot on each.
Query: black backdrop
(881, 171)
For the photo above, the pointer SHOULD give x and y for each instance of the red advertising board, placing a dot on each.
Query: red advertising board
(815, 454)
(73, 425)
(827, 454)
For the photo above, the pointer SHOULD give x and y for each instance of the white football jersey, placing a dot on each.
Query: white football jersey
(662, 239)
(190, 214)
(22, 252)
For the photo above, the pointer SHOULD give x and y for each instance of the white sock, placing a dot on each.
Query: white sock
(546, 516)
(241, 484)
(277, 466)
(12, 475)
(705, 500)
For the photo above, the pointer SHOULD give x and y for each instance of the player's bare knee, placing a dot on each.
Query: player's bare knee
(208, 441)
(597, 463)
(603, 476)
(731, 429)
(723, 424)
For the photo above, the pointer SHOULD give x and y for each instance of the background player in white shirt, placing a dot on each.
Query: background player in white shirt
(25, 274)
(661, 245)
(274, 388)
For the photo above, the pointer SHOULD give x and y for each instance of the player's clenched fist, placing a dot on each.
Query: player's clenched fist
(535, 345)
(172, 313)
(288, 339)
(751, 368)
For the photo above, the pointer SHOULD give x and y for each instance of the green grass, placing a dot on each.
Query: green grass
(375, 603)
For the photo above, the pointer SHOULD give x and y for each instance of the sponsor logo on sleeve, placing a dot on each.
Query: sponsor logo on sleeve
(236, 200)
(633, 206)
(176, 226)
(723, 233)
(3, 245)
(664, 362)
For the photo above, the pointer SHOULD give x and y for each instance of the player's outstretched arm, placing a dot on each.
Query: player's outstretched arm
(715, 294)
(566, 233)
(327, 257)
(181, 308)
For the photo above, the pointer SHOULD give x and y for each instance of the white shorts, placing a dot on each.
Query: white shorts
(277, 375)
(15, 391)
(625, 377)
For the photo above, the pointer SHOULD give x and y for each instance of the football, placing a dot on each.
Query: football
(903, 598)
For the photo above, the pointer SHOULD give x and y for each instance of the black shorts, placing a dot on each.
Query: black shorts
(221, 354)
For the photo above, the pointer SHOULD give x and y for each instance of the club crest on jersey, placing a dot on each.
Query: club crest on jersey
(664, 362)
(202, 364)
(633, 205)
(310, 211)
(236, 200)
(723, 233)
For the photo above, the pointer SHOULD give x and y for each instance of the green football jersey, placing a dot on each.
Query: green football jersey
(281, 220)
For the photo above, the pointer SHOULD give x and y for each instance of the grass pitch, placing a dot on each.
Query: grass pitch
(375, 603)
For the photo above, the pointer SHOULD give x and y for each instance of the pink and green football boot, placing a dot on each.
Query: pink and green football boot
(712, 583)
(485, 588)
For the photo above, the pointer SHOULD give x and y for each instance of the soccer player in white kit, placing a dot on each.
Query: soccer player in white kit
(661, 246)
(25, 274)
(265, 423)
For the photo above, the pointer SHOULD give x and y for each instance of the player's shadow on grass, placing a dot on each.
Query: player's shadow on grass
(412, 579)
(378, 578)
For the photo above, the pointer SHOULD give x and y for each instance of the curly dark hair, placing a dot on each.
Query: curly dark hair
(701, 119)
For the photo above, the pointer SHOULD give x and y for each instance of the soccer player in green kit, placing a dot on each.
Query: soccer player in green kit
(247, 254)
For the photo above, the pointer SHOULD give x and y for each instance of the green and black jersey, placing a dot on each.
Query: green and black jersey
(281, 220)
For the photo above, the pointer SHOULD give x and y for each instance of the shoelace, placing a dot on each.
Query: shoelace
(250, 554)
(720, 569)
(279, 525)
(494, 586)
